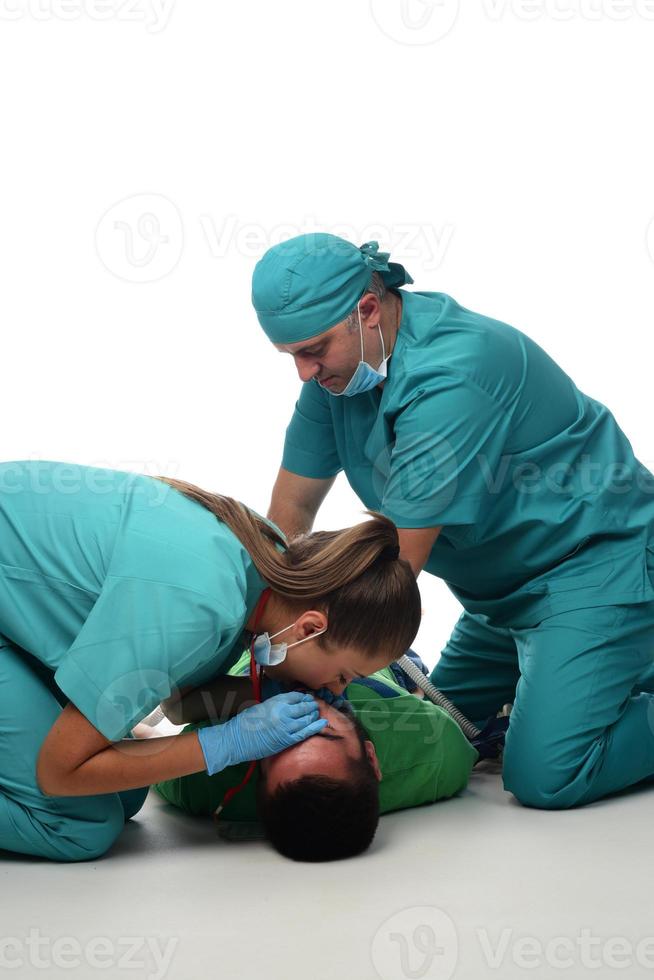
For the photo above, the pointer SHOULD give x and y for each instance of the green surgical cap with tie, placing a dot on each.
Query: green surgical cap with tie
(305, 285)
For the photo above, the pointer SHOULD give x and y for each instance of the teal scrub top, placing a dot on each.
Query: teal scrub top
(119, 584)
(477, 429)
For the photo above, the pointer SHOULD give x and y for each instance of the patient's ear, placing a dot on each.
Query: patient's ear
(372, 758)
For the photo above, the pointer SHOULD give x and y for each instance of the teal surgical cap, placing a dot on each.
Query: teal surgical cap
(305, 285)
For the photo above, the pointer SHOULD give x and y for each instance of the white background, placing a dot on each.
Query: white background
(503, 152)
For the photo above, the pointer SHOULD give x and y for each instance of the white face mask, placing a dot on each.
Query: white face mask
(268, 654)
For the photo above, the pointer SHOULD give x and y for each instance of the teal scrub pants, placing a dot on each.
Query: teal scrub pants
(62, 828)
(582, 685)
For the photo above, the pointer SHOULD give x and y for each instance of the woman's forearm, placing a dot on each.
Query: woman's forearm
(77, 760)
(130, 764)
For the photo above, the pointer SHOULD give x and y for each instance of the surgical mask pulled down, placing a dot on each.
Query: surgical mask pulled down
(268, 654)
(365, 377)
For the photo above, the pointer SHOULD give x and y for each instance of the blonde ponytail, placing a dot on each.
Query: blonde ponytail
(357, 569)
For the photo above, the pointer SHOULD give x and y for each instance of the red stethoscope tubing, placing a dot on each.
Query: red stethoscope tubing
(255, 677)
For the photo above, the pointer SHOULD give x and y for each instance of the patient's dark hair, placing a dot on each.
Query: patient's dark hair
(317, 818)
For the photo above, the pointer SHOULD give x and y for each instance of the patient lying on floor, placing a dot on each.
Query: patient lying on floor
(385, 750)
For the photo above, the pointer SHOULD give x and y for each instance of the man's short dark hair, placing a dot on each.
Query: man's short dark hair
(318, 818)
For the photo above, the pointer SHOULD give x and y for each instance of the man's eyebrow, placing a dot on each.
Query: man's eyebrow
(311, 348)
(330, 735)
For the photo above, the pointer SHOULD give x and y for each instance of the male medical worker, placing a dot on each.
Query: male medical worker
(517, 489)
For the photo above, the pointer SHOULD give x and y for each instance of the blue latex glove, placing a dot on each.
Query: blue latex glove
(260, 731)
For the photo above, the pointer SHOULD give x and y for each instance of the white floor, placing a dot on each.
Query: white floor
(472, 887)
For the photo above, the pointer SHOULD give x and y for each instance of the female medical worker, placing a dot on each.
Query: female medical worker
(115, 590)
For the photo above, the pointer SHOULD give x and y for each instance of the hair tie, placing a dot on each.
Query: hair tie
(390, 553)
